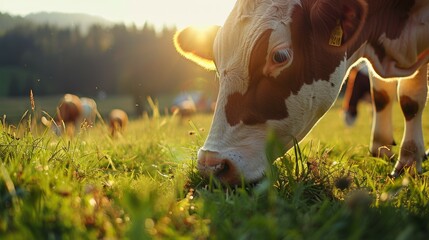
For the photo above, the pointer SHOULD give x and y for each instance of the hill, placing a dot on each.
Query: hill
(65, 20)
(61, 20)
(8, 22)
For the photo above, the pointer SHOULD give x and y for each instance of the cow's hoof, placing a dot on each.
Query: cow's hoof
(395, 173)
(349, 119)
(398, 169)
(382, 151)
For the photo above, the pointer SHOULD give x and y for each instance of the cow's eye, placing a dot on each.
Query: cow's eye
(282, 56)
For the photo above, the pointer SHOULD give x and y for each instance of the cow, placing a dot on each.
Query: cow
(68, 115)
(90, 111)
(281, 64)
(357, 90)
(185, 108)
(118, 120)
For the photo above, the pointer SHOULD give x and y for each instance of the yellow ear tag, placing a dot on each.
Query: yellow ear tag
(336, 35)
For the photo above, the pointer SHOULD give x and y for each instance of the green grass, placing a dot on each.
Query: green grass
(14, 108)
(144, 185)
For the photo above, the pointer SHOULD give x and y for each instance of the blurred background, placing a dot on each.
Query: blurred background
(116, 52)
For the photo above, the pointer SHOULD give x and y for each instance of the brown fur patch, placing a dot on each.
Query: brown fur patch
(384, 17)
(381, 99)
(409, 107)
(265, 96)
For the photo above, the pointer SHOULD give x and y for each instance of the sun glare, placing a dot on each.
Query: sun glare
(202, 33)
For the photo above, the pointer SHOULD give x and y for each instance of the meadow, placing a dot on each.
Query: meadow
(144, 185)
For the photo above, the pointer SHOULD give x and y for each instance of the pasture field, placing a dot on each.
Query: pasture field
(144, 185)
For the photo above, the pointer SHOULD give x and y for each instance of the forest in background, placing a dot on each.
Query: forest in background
(102, 60)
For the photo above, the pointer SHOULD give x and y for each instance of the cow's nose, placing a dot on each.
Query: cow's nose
(211, 164)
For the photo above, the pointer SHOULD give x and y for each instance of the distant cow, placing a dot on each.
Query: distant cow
(118, 120)
(281, 64)
(68, 115)
(90, 111)
(185, 108)
(71, 112)
(358, 89)
(189, 103)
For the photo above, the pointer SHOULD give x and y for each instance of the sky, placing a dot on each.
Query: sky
(180, 13)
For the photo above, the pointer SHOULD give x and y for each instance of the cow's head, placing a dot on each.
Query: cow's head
(280, 66)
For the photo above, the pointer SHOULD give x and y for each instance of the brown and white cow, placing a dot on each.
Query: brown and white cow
(68, 115)
(89, 111)
(184, 109)
(118, 120)
(281, 64)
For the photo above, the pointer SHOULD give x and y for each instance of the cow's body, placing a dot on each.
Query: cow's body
(281, 65)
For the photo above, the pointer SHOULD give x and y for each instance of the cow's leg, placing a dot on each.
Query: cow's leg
(383, 95)
(358, 87)
(412, 98)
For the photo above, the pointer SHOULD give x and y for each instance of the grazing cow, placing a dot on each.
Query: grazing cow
(187, 104)
(185, 108)
(118, 120)
(90, 111)
(357, 90)
(281, 64)
(68, 115)
(195, 99)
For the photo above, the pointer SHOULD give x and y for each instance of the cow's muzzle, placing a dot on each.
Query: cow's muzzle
(212, 164)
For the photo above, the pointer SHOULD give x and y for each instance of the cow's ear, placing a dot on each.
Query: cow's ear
(196, 44)
(338, 23)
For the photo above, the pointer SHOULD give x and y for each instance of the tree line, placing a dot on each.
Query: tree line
(113, 60)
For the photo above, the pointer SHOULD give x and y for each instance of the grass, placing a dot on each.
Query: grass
(144, 185)
(14, 108)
